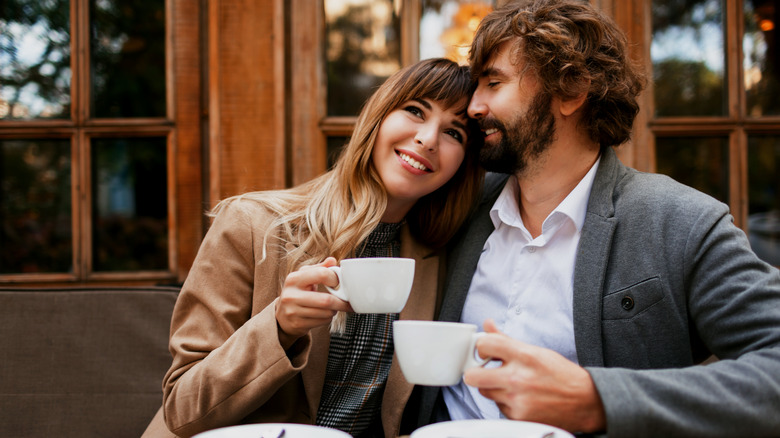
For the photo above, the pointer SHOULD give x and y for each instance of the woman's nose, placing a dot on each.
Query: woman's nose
(427, 137)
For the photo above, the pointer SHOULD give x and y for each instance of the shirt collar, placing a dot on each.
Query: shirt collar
(574, 206)
(505, 209)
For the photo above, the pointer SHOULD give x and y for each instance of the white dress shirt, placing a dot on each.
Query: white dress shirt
(524, 284)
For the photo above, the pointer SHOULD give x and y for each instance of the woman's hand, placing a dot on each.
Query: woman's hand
(301, 307)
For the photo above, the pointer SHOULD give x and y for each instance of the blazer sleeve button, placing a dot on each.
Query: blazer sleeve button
(627, 303)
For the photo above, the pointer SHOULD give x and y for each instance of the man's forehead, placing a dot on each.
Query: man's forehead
(501, 62)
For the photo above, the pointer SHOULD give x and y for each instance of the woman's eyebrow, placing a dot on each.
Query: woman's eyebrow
(424, 103)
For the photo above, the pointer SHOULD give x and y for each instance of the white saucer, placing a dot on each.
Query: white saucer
(291, 430)
(489, 428)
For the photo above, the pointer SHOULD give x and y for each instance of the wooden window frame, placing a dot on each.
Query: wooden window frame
(181, 126)
(634, 16)
(310, 124)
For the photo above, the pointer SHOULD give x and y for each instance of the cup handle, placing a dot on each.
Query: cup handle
(474, 359)
(338, 291)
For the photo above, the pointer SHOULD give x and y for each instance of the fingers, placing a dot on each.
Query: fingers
(489, 326)
(301, 306)
(488, 378)
(309, 277)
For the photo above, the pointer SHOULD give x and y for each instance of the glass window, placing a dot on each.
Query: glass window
(127, 45)
(130, 204)
(34, 59)
(688, 57)
(362, 50)
(35, 206)
(760, 60)
(335, 145)
(447, 27)
(764, 196)
(698, 162)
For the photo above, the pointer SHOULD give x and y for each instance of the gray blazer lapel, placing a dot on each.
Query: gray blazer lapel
(592, 257)
(464, 255)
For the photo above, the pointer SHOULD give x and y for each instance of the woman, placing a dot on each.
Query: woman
(250, 333)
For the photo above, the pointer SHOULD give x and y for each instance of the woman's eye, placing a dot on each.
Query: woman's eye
(492, 84)
(414, 110)
(455, 134)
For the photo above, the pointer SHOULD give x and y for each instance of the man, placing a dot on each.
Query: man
(601, 288)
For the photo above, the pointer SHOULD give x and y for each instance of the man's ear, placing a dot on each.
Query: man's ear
(569, 106)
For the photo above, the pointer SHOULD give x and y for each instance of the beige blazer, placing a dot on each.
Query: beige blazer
(228, 365)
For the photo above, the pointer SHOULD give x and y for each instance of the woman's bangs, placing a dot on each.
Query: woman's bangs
(449, 89)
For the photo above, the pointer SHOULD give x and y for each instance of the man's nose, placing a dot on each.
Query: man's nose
(477, 108)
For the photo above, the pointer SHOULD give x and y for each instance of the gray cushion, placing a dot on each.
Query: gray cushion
(84, 362)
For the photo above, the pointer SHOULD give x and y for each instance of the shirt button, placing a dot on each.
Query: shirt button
(627, 303)
(518, 311)
(532, 249)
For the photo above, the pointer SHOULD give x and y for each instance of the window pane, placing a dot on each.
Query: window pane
(34, 59)
(701, 163)
(447, 27)
(688, 58)
(362, 50)
(127, 44)
(130, 204)
(764, 196)
(760, 62)
(35, 206)
(335, 146)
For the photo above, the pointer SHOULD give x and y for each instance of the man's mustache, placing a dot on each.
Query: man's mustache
(485, 124)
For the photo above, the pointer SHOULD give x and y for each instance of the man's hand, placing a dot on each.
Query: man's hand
(536, 384)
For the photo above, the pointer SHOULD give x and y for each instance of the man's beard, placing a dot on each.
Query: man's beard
(523, 141)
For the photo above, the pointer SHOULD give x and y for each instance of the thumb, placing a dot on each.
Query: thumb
(330, 261)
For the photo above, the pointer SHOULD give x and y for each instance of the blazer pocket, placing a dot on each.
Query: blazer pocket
(633, 300)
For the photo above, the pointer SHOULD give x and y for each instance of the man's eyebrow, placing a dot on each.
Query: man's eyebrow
(493, 71)
(424, 103)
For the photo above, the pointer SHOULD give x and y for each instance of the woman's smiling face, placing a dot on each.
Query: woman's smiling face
(419, 147)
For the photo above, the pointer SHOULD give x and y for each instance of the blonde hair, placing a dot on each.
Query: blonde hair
(334, 213)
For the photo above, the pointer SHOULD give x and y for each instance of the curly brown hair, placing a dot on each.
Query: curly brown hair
(574, 49)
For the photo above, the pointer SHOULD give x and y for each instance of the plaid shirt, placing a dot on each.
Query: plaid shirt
(359, 359)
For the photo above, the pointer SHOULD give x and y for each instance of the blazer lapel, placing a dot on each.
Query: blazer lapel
(463, 257)
(420, 306)
(592, 258)
(313, 375)
(422, 299)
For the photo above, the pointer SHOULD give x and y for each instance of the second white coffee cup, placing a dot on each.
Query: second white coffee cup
(435, 353)
(374, 284)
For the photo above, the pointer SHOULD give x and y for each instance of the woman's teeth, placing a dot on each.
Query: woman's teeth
(412, 162)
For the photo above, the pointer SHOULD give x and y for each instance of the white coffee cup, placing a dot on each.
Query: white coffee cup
(436, 353)
(374, 284)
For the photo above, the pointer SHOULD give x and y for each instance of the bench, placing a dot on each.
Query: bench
(82, 362)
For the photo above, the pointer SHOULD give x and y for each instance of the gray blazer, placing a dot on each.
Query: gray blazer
(663, 279)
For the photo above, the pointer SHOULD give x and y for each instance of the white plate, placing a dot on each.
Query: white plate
(291, 430)
(488, 429)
